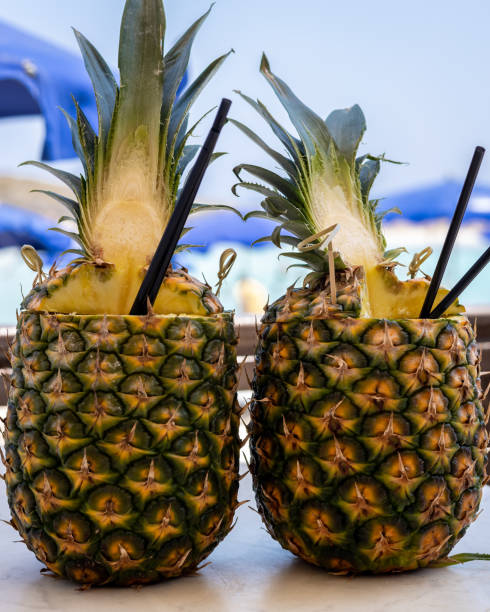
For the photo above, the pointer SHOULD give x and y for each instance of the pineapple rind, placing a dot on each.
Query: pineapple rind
(121, 442)
(368, 437)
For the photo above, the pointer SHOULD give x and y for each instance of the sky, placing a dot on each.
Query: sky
(419, 70)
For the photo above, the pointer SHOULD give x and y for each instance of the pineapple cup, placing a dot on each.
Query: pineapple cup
(368, 437)
(367, 429)
(121, 442)
(122, 431)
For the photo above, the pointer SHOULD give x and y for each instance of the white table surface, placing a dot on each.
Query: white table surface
(250, 572)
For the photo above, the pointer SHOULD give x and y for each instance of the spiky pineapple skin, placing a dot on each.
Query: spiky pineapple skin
(121, 442)
(368, 442)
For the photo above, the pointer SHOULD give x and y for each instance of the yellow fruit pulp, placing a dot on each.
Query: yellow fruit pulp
(387, 297)
(384, 295)
(88, 289)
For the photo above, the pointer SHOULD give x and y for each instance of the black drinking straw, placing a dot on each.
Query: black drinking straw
(452, 232)
(158, 267)
(461, 285)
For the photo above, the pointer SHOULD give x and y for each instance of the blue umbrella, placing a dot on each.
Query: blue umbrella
(18, 226)
(37, 77)
(439, 201)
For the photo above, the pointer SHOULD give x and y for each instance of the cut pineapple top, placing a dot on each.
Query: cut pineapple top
(324, 182)
(391, 298)
(133, 165)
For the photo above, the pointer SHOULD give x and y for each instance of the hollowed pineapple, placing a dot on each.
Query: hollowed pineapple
(368, 440)
(121, 440)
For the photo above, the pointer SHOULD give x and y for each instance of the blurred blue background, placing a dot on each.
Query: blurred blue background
(418, 70)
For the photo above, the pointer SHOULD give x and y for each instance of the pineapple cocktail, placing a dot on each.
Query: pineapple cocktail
(368, 435)
(121, 440)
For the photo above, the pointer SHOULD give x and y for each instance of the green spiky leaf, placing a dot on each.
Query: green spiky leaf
(262, 189)
(283, 161)
(70, 180)
(71, 205)
(103, 81)
(75, 137)
(188, 154)
(175, 62)
(187, 99)
(197, 208)
(66, 218)
(294, 146)
(347, 126)
(392, 254)
(72, 235)
(88, 139)
(278, 182)
(312, 259)
(141, 65)
(312, 130)
(257, 214)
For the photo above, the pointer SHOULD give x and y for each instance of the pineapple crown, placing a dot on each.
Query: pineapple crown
(140, 149)
(325, 183)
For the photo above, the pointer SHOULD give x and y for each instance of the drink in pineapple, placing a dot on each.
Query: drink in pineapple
(121, 439)
(368, 439)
